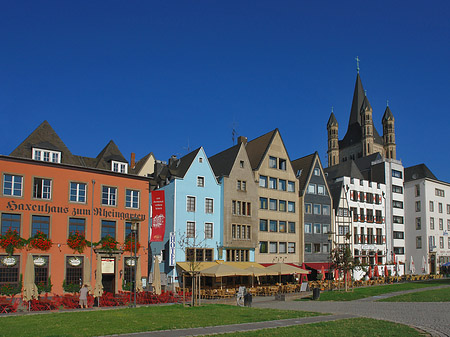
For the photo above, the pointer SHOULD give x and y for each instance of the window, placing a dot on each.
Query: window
(321, 189)
(399, 235)
(291, 247)
(448, 224)
(441, 224)
(273, 183)
(209, 206)
(263, 225)
(440, 207)
(77, 192)
(397, 174)
(317, 172)
(41, 272)
(109, 196)
(108, 229)
(361, 196)
(273, 225)
(41, 224)
(291, 227)
(208, 230)
(317, 248)
(233, 231)
(317, 208)
(282, 164)
(263, 203)
(326, 209)
(418, 223)
(397, 189)
(190, 229)
(10, 221)
(119, 167)
(418, 206)
(399, 250)
(273, 247)
(418, 242)
(128, 230)
(439, 192)
(46, 155)
(199, 254)
(317, 228)
(431, 223)
(325, 248)
(325, 228)
(291, 186)
(241, 164)
(74, 269)
(272, 162)
(311, 189)
(42, 188)
(282, 185)
(308, 228)
(369, 197)
(431, 206)
(417, 190)
(307, 248)
(190, 204)
(12, 185)
(282, 248)
(448, 209)
(263, 181)
(291, 206)
(308, 208)
(132, 199)
(263, 247)
(282, 226)
(282, 205)
(77, 225)
(273, 204)
(200, 181)
(241, 185)
(397, 219)
(441, 242)
(397, 204)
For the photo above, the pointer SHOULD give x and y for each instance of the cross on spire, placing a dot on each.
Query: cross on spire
(332, 108)
(387, 103)
(357, 63)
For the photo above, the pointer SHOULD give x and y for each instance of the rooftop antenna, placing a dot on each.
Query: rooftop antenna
(357, 63)
(188, 148)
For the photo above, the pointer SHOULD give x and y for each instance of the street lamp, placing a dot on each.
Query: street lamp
(134, 231)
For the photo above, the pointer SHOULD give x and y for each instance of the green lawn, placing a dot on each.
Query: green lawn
(359, 327)
(117, 321)
(436, 295)
(364, 292)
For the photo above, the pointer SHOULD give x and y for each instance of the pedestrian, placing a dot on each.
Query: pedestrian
(83, 296)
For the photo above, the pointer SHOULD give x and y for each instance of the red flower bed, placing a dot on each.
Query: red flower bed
(8, 305)
(44, 304)
(71, 301)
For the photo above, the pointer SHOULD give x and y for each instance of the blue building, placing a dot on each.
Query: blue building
(193, 213)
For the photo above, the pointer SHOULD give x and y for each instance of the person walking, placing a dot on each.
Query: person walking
(83, 296)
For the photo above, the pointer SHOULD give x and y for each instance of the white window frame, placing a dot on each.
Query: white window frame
(132, 199)
(46, 155)
(200, 181)
(190, 229)
(209, 205)
(209, 230)
(111, 196)
(45, 188)
(311, 189)
(16, 185)
(120, 167)
(79, 193)
(189, 200)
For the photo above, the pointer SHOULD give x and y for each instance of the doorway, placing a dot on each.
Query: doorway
(108, 281)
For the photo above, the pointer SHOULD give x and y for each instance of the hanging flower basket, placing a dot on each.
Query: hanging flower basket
(77, 242)
(40, 241)
(108, 243)
(130, 244)
(11, 240)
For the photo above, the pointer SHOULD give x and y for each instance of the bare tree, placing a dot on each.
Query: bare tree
(342, 259)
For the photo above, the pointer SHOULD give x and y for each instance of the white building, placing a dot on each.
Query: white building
(427, 212)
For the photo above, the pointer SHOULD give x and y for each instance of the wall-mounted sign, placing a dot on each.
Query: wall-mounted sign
(107, 265)
(40, 261)
(130, 261)
(74, 261)
(9, 261)
(172, 249)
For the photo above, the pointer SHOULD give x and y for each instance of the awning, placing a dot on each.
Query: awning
(244, 265)
(318, 265)
(199, 266)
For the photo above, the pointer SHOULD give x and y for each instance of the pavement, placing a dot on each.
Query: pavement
(431, 317)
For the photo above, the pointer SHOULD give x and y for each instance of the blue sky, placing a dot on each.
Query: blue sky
(162, 76)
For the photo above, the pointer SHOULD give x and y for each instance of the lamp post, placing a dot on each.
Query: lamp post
(330, 248)
(134, 231)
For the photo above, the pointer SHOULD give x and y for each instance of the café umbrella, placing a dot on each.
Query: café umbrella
(87, 273)
(375, 271)
(322, 271)
(156, 278)
(259, 272)
(98, 289)
(412, 267)
(286, 269)
(30, 290)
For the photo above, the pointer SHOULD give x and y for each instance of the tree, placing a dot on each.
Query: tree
(342, 259)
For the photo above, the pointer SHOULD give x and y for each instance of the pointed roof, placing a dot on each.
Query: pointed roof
(388, 116)
(418, 172)
(222, 163)
(179, 167)
(335, 192)
(141, 162)
(44, 137)
(332, 121)
(110, 152)
(366, 104)
(304, 165)
(358, 99)
(258, 147)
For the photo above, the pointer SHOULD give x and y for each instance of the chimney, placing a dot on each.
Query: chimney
(133, 160)
(242, 139)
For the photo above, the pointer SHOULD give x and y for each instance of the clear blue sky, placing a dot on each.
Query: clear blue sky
(157, 76)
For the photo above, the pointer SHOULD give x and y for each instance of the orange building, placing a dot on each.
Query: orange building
(47, 191)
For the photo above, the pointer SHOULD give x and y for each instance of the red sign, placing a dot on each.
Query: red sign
(158, 216)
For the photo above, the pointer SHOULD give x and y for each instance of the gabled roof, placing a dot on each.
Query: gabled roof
(345, 169)
(141, 162)
(258, 147)
(44, 137)
(335, 192)
(364, 163)
(305, 164)
(110, 152)
(418, 172)
(222, 163)
(179, 167)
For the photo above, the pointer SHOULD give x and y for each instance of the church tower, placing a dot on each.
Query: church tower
(389, 134)
(366, 128)
(333, 140)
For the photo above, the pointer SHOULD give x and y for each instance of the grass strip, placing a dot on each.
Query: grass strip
(358, 327)
(435, 295)
(151, 318)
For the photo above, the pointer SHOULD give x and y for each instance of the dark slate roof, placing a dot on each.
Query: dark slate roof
(110, 152)
(258, 147)
(223, 162)
(418, 172)
(388, 116)
(364, 163)
(305, 164)
(179, 167)
(45, 137)
(332, 120)
(358, 99)
(345, 169)
(335, 192)
(366, 104)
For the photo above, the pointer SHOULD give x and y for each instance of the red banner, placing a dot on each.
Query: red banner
(158, 216)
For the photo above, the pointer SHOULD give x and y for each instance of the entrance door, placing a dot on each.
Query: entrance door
(108, 281)
(109, 274)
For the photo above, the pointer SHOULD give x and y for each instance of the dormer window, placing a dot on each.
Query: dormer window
(46, 155)
(117, 166)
